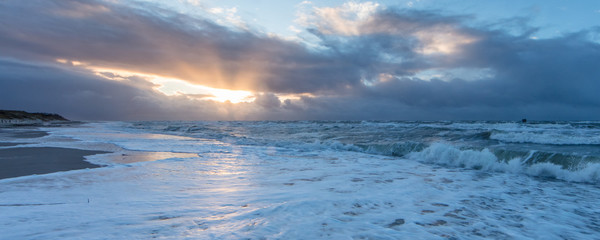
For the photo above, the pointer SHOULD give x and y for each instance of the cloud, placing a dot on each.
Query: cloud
(545, 78)
(268, 100)
(82, 95)
(344, 20)
(230, 16)
(150, 39)
(370, 63)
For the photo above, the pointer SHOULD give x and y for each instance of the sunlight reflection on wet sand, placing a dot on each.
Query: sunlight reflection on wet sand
(133, 156)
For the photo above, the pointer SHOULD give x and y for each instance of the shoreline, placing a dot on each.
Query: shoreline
(18, 161)
(18, 158)
(25, 161)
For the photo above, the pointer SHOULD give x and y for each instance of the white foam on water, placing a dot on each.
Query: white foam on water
(448, 155)
(230, 191)
(550, 137)
(539, 133)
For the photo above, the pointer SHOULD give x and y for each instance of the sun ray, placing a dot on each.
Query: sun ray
(169, 86)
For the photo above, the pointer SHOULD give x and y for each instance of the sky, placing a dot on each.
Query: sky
(301, 60)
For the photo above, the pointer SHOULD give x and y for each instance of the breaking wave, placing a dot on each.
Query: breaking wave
(561, 150)
(556, 138)
(558, 166)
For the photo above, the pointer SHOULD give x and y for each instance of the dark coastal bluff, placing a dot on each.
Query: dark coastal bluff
(10, 116)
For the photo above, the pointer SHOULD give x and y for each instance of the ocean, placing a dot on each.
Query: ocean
(314, 180)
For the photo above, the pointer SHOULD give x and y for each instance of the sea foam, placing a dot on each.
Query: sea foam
(308, 180)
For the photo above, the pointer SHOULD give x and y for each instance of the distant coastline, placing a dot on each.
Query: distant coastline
(21, 117)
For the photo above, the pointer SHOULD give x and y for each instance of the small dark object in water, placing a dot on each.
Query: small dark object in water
(524, 120)
(398, 222)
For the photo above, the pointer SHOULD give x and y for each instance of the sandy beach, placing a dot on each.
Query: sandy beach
(22, 161)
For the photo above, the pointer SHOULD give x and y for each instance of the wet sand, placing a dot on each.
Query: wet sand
(16, 162)
(22, 161)
(29, 134)
(9, 144)
(22, 133)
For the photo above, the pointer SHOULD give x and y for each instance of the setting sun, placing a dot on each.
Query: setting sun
(169, 86)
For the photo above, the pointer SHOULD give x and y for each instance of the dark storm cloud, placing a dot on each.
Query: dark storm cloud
(373, 74)
(81, 95)
(153, 40)
(76, 95)
(562, 70)
(391, 40)
(556, 78)
(268, 100)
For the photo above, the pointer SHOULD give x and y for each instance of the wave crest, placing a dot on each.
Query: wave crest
(447, 155)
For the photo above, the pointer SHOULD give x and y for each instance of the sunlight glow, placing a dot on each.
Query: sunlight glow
(346, 19)
(171, 86)
(449, 74)
(168, 86)
(442, 41)
(65, 61)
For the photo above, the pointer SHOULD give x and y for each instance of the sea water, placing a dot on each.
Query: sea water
(314, 180)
